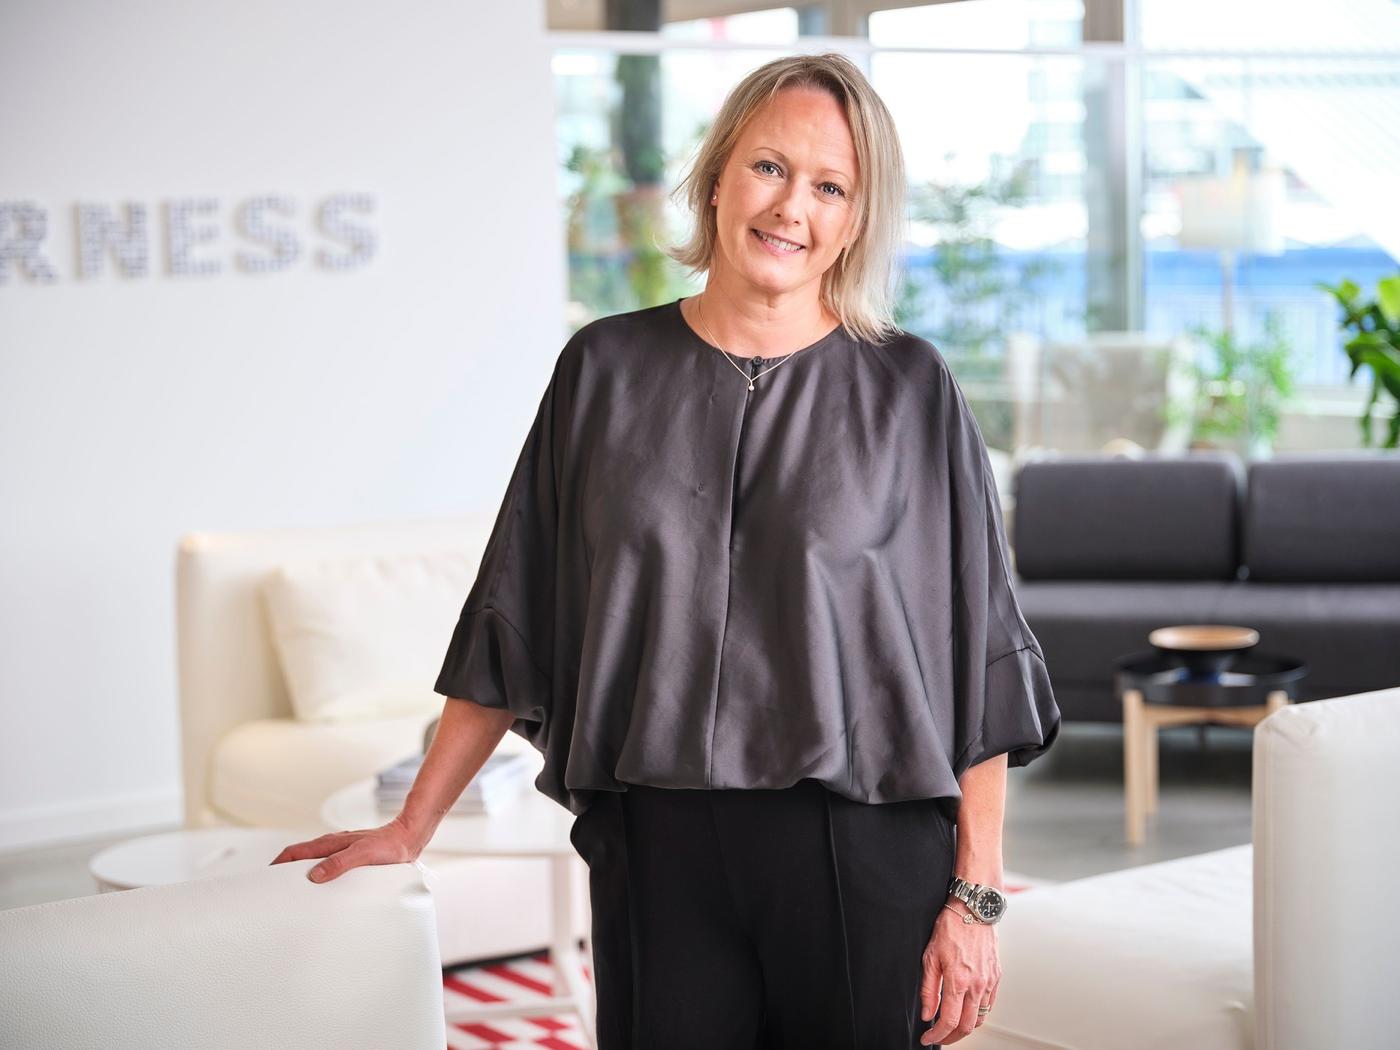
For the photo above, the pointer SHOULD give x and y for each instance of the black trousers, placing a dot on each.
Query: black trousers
(761, 919)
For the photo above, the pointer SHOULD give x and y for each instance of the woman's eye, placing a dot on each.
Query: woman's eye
(769, 164)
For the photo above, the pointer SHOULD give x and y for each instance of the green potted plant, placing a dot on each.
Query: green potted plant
(1375, 343)
(1240, 389)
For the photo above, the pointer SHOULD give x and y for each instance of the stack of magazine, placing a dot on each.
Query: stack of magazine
(496, 784)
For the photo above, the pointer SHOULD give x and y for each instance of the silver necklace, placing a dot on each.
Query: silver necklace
(785, 360)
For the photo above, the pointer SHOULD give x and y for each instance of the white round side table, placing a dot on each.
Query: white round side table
(191, 853)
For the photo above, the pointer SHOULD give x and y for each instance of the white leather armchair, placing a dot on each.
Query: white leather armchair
(1287, 943)
(247, 761)
(256, 959)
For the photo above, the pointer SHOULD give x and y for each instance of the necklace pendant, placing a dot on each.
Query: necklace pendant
(750, 384)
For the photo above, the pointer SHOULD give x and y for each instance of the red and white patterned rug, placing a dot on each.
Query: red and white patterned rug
(519, 979)
(528, 977)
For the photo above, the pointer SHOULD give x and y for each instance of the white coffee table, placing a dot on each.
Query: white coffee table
(531, 826)
(190, 853)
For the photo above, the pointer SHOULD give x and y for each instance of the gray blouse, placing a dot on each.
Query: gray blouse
(694, 585)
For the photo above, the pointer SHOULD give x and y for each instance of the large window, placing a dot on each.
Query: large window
(1058, 192)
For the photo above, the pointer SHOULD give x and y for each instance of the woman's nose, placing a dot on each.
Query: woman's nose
(787, 210)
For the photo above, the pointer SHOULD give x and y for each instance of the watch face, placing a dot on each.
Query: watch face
(990, 904)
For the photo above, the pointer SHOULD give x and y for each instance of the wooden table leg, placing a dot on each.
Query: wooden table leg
(1133, 772)
(1151, 746)
(1141, 746)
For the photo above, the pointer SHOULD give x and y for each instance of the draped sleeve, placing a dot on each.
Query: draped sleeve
(1004, 702)
(501, 651)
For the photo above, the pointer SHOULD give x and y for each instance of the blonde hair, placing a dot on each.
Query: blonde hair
(859, 287)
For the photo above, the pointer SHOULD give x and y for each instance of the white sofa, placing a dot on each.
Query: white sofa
(247, 761)
(1288, 943)
(257, 959)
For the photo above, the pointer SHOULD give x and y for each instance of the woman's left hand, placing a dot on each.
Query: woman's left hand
(961, 957)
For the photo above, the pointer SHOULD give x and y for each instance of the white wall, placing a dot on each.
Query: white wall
(134, 410)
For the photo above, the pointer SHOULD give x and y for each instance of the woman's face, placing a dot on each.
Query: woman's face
(791, 175)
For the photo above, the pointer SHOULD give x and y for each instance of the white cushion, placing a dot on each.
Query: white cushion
(1156, 956)
(277, 772)
(365, 637)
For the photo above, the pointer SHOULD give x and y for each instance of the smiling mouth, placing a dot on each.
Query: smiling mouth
(778, 243)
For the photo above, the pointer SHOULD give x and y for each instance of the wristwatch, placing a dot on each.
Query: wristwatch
(987, 903)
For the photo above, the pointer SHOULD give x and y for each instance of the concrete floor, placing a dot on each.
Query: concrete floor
(1064, 813)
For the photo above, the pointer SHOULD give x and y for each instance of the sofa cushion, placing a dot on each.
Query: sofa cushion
(1083, 625)
(277, 772)
(1159, 517)
(364, 637)
(1154, 956)
(1348, 633)
(1324, 516)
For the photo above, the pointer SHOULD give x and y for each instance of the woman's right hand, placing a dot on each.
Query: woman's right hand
(391, 843)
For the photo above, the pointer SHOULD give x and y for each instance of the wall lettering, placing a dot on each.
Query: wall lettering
(119, 240)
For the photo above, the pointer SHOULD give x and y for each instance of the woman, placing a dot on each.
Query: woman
(761, 626)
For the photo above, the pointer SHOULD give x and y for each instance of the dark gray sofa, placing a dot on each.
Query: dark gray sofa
(1303, 547)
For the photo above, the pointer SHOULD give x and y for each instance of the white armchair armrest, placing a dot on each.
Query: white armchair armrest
(258, 959)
